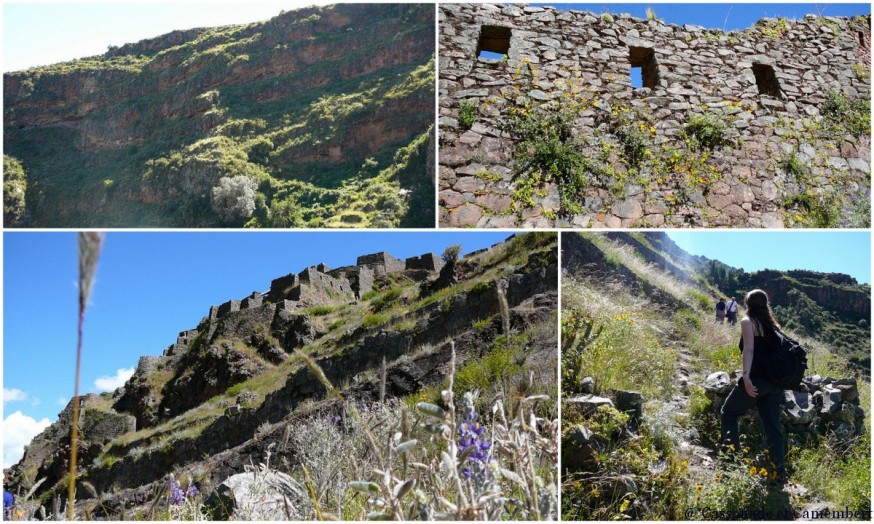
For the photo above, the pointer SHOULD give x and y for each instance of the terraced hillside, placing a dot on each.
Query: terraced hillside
(645, 370)
(319, 117)
(314, 381)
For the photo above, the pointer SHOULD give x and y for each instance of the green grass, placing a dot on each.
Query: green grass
(320, 310)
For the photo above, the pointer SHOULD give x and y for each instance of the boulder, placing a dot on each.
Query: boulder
(630, 402)
(848, 387)
(588, 385)
(799, 407)
(831, 401)
(266, 496)
(589, 403)
(718, 383)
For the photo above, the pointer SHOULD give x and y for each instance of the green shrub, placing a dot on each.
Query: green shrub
(386, 300)
(705, 131)
(734, 490)
(234, 390)
(497, 366)
(688, 319)
(841, 114)
(842, 478)
(373, 320)
(812, 211)
(467, 114)
(861, 71)
(547, 151)
(319, 310)
(704, 417)
(793, 165)
(370, 294)
(481, 324)
(701, 300)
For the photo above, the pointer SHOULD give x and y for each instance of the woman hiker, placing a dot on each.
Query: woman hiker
(754, 390)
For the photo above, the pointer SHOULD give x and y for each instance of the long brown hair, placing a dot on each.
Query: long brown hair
(756, 302)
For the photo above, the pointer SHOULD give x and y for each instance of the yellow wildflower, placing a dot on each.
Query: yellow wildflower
(753, 470)
(685, 464)
(763, 472)
(699, 488)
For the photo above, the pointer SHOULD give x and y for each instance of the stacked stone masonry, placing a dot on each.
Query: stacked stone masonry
(767, 83)
(315, 285)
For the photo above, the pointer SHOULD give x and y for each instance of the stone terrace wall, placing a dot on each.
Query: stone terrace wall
(690, 71)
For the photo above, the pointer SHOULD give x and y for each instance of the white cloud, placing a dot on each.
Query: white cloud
(18, 431)
(13, 395)
(110, 383)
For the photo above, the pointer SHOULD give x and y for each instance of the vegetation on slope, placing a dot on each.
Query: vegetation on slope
(662, 341)
(506, 374)
(313, 131)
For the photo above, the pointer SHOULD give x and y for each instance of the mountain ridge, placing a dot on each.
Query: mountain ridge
(325, 109)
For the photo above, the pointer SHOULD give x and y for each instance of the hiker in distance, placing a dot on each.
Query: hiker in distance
(731, 311)
(754, 389)
(720, 311)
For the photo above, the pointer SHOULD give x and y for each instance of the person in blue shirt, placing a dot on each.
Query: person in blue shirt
(8, 502)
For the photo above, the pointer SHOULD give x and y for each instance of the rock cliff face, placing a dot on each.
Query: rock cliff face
(753, 128)
(213, 400)
(306, 97)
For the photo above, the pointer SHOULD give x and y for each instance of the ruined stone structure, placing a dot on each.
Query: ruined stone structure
(381, 263)
(784, 154)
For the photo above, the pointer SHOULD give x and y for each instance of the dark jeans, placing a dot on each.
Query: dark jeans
(769, 403)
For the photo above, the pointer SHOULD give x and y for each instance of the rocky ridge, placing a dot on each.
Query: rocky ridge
(222, 395)
(296, 104)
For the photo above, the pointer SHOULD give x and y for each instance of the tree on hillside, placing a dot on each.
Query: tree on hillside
(234, 198)
(14, 189)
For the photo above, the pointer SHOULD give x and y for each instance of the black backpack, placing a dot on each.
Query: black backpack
(786, 363)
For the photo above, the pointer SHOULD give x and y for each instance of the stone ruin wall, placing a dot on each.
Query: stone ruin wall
(382, 263)
(314, 285)
(689, 70)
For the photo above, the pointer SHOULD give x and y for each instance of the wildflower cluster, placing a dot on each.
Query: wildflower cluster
(178, 497)
(471, 443)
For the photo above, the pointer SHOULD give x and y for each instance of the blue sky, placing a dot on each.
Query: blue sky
(726, 16)
(846, 252)
(41, 34)
(149, 287)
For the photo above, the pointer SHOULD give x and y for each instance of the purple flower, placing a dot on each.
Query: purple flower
(192, 491)
(177, 497)
(471, 441)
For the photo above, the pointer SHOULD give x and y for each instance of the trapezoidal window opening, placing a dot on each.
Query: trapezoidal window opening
(766, 80)
(494, 42)
(644, 68)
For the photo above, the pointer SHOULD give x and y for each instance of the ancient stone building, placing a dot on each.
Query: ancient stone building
(311, 286)
(428, 261)
(756, 128)
(381, 263)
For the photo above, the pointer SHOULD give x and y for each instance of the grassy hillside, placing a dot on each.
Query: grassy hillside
(629, 324)
(319, 117)
(391, 382)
